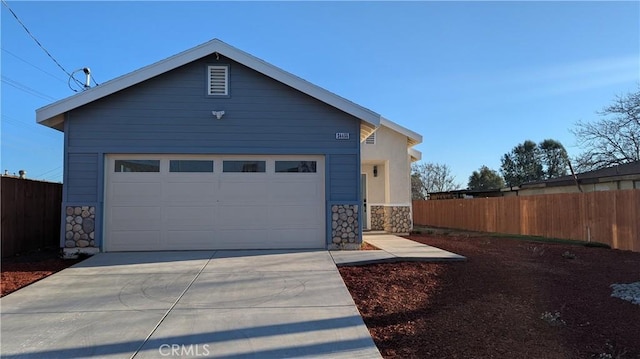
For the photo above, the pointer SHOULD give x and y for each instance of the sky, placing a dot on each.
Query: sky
(473, 78)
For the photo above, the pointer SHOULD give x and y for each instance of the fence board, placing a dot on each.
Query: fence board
(30, 215)
(611, 217)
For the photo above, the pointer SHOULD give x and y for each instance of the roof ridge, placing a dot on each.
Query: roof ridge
(52, 115)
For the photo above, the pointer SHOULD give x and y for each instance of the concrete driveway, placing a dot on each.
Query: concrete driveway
(224, 304)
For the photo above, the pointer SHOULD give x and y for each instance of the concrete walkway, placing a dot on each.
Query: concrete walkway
(393, 249)
(224, 304)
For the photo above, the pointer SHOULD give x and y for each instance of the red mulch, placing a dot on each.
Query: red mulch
(487, 307)
(491, 305)
(368, 247)
(20, 271)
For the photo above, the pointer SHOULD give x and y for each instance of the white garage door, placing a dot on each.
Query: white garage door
(185, 202)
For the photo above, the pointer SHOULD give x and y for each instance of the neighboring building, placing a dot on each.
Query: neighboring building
(387, 155)
(625, 176)
(214, 148)
(21, 174)
(466, 194)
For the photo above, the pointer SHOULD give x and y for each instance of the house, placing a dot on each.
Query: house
(620, 177)
(214, 148)
(386, 157)
(465, 194)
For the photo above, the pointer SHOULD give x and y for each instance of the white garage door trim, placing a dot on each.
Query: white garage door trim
(214, 210)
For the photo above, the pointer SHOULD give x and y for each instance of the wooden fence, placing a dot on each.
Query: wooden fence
(611, 217)
(30, 215)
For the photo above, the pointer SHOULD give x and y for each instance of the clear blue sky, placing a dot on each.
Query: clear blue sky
(474, 78)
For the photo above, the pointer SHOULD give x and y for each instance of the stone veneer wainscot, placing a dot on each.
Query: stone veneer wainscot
(377, 218)
(397, 219)
(80, 227)
(392, 219)
(345, 228)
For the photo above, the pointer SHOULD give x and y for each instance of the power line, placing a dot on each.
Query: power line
(49, 171)
(18, 123)
(28, 63)
(31, 126)
(55, 176)
(22, 87)
(38, 42)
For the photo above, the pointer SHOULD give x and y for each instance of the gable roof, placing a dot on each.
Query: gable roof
(614, 173)
(53, 115)
(412, 137)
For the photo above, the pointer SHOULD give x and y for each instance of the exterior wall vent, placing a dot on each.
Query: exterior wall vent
(371, 140)
(218, 82)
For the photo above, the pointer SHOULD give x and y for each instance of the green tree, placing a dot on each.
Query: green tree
(615, 138)
(529, 162)
(431, 177)
(485, 179)
(554, 158)
(522, 164)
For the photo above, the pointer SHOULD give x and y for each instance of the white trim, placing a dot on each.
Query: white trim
(53, 115)
(413, 137)
(415, 154)
(211, 69)
(391, 204)
(367, 220)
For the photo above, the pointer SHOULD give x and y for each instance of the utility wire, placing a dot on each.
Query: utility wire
(29, 126)
(32, 65)
(22, 87)
(48, 172)
(38, 42)
(54, 177)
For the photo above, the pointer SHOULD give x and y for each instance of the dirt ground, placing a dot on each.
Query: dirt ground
(25, 269)
(510, 299)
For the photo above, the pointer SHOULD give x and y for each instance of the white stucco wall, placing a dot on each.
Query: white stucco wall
(376, 189)
(390, 154)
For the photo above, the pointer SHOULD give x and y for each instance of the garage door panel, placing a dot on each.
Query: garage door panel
(133, 240)
(176, 217)
(135, 192)
(243, 216)
(294, 216)
(247, 238)
(197, 239)
(215, 210)
(242, 190)
(294, 191)
(192, 192)
(304, 238)
(135, 218)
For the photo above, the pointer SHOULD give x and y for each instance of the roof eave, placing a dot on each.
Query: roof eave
(413, 138)
(415, 154)
(46, 113)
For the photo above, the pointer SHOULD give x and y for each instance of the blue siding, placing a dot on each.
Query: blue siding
(82, 177)
(171, 113)
(344, 171)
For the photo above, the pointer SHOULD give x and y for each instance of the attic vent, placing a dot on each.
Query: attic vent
(218, 80)
(371, 140)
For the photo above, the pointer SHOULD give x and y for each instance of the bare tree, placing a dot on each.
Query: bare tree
(615, 138)
(431, 177)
